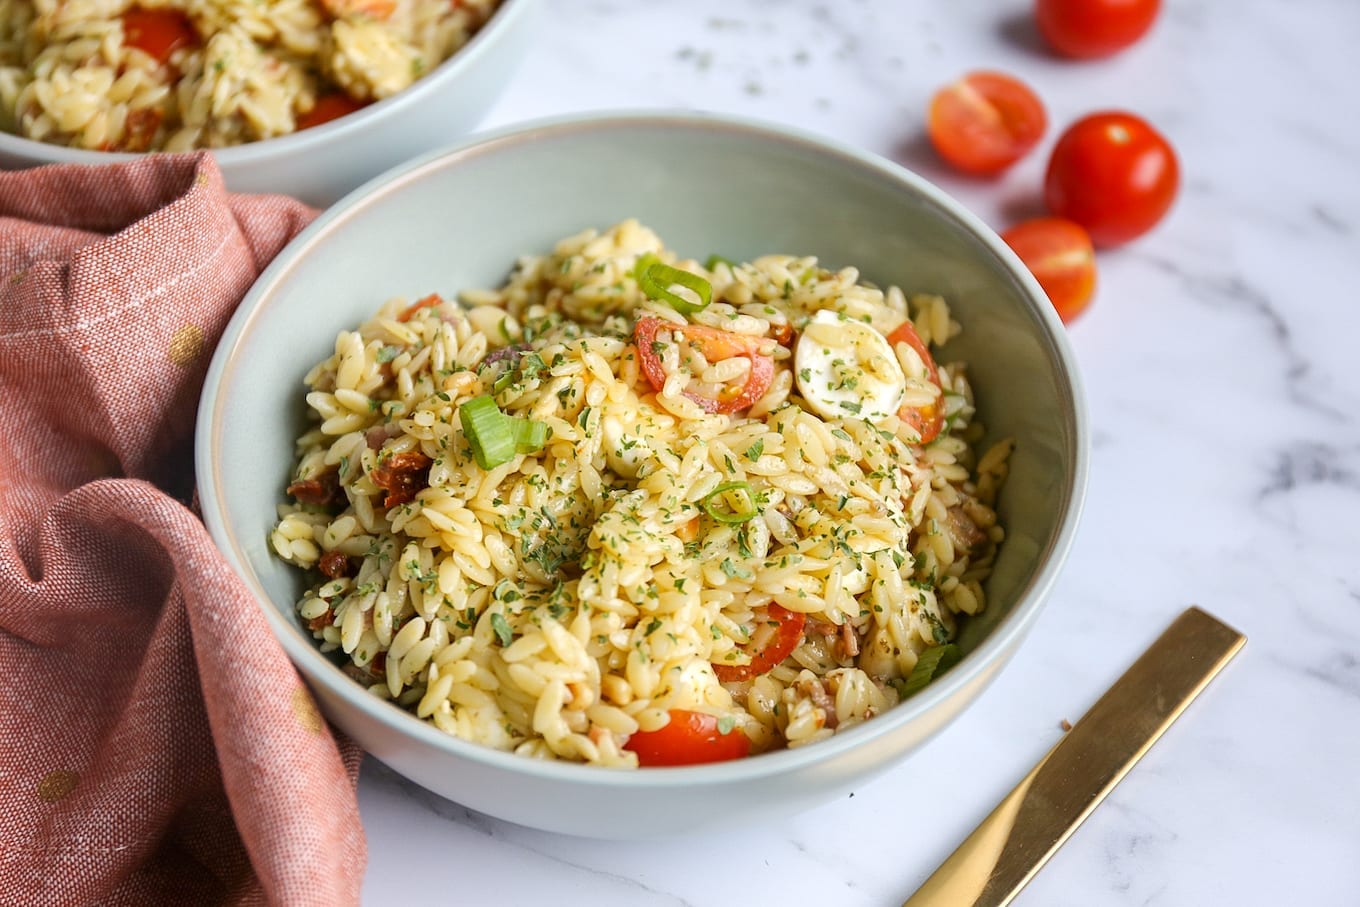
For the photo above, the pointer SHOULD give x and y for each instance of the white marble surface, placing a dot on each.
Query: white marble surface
(1224, 394)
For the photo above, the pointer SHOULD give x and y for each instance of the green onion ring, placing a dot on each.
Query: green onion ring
(729, 516)
(655, 280)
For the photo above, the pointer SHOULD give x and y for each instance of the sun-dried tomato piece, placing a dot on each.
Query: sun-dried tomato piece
(322, 490)
(334, 564)
(402, 476)
(140, 128)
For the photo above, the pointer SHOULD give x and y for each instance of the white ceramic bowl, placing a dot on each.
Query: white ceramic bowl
(459, 218)
(321, 164)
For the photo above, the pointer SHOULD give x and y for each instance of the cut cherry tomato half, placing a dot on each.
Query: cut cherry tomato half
(927, 420)
(690, 738)
(1086, 29)
(1113, 174)
(158, 32)
(715, 345)
(775, 636)
(329, 107)
(985, 121)
(1059, 254)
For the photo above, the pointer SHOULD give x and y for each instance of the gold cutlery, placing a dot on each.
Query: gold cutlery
(1012, 844)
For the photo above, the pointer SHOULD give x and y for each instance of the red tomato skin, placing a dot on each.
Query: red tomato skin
(1113, 174)
(1060, 255)
(691, 738)
(985, 122)
(787, 637)
(329, 107)
(714, 344)
(927, 420)
(425, 302)
(158, 32)
(1090, 29)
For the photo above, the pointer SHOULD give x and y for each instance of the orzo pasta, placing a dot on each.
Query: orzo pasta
(628, 508)
(142, 75)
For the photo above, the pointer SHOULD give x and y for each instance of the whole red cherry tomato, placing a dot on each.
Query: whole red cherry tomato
(1086, 29)
(1059, 254)
(1113, 174)
(985, 121)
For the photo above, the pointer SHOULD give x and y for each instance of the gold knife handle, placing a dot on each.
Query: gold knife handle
(1000, 857)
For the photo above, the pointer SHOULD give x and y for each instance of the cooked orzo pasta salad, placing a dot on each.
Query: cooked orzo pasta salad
(631, 510)
(146, 75)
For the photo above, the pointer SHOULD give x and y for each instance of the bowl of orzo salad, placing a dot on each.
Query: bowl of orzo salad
(271, 88)
(694, 468)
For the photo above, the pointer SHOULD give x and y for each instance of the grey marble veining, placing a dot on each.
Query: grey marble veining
(1224, 389)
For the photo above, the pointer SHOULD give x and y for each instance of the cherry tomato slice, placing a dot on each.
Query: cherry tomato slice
(329, 107)
(927, 420)
(690, 738)
(1059, 254)
(1087, 29)
(1113, 174)
(985, 121)
(158, 32)
(715, 345)
(427, 302)
(774, 638)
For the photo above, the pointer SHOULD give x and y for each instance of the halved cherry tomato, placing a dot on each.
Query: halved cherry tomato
(329, 107)
(1113, 174)
(1059, 254)
(158, 32)
(927, 420)
(985, 121)
(427, 302)
(690, 738)
(715, 345)
(1086, 29)
(774, 638)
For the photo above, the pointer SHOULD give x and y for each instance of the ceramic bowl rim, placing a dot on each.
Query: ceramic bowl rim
(320, 670)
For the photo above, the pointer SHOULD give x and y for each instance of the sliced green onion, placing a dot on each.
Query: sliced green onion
(931, 663)
(715, 259)
(530, 436)
(505, 380)
(501, 627)
(711, 500)
(496, 437)
(488, 431)
(656, 280)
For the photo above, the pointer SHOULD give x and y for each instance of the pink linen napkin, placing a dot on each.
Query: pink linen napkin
(156, 746)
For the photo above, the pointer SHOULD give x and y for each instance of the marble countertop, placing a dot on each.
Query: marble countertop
(1224, 394)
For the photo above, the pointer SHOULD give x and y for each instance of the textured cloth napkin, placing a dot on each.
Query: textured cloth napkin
(156, 746)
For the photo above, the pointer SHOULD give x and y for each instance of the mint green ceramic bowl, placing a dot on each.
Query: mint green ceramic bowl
(459, 217)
